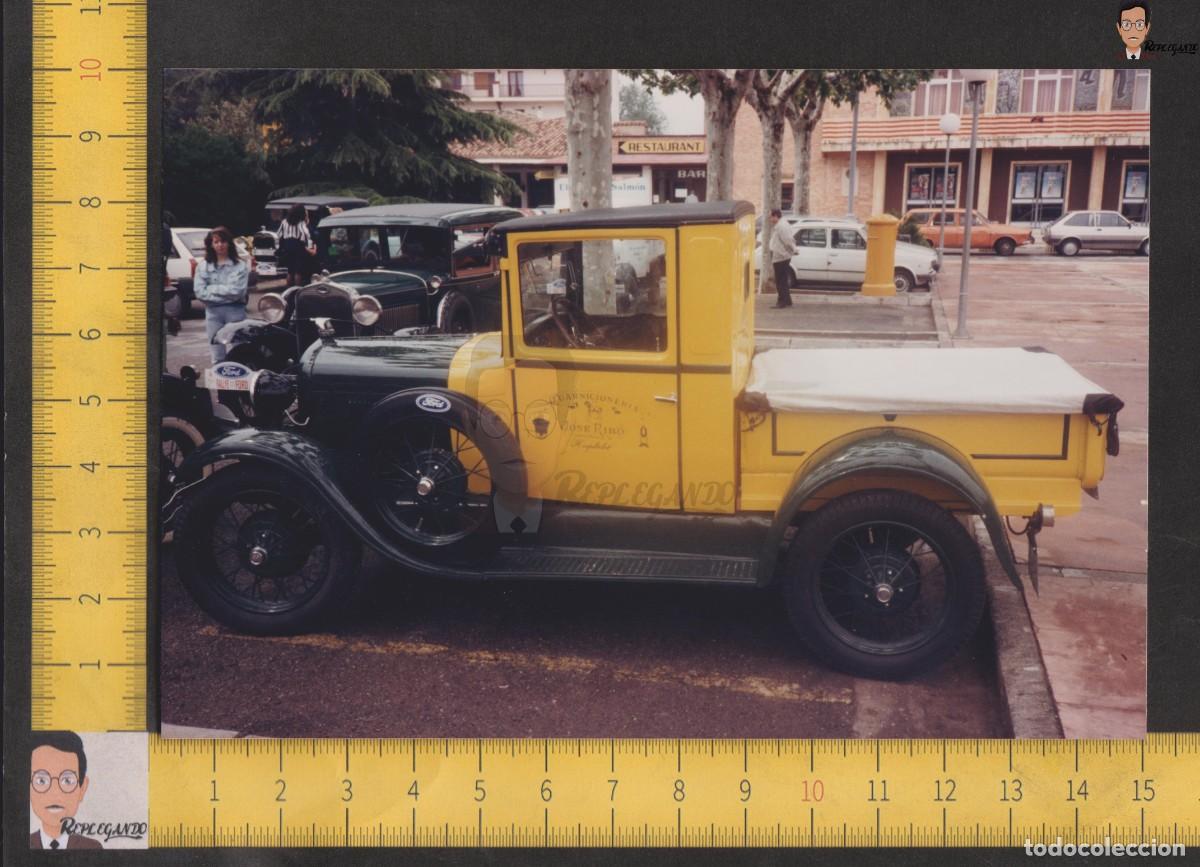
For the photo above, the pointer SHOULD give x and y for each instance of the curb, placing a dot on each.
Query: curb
(939, 320)
(1024, 684)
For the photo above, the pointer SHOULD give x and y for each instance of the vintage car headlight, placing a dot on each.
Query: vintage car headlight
(366, 309)
(434, 284)
(272, 307)
(271, 394)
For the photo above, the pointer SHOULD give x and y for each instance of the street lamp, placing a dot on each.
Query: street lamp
(975, 80)
(949, 124)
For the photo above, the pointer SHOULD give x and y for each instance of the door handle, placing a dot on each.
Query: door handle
(667, 398)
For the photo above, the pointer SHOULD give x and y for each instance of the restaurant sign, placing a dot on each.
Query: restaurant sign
(642, 145)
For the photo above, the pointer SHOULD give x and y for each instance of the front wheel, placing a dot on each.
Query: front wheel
(1005, 247)
(883, 584)
(904, 281)
(261, 553)
(1069, 247)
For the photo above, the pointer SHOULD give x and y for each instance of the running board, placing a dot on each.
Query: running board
(578, 563)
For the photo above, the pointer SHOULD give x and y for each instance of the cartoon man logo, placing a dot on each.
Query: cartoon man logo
(57, 783)
(1133, 26)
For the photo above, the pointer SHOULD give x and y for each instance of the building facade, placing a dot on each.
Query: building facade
(539, 93)
(1049, 141)
(646, 169)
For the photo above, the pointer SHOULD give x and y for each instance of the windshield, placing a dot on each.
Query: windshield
(194, 241)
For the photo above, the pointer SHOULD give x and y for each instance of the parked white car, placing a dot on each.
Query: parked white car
(1096, 230)
(796, 221)
(832, 254)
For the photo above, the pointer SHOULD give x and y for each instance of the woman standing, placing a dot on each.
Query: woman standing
(222, 282)
(294, 241)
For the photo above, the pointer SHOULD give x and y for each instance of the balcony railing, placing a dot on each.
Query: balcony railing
(504, 90)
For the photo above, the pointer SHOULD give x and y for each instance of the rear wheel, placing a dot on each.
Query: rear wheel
(1005, 247)
(261, 553)
(883, 584)
(1069, 247)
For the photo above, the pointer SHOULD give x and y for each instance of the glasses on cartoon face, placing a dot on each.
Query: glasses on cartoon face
(1133, 25)
(68, 781)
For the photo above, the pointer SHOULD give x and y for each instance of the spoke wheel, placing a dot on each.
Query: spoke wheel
(883, 584)
(432, 483)
(262, 554)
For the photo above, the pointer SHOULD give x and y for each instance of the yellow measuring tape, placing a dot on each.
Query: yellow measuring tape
(89, 365)
(89, 610)
(673, 792)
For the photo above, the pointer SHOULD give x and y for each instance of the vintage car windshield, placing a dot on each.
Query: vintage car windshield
(611, 293)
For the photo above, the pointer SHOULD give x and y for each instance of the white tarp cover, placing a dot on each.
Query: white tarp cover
(903, 380)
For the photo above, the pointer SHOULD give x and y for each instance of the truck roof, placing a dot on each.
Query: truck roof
(643, 217)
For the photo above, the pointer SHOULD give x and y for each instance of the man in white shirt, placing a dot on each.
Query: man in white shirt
(1133, 26)
(781, 247)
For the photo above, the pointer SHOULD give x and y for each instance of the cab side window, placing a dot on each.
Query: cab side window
(469, 257)
(1110, 221)
(598, 294)
(1079, 220)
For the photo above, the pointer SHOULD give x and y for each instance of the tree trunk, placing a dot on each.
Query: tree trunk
(589, 173)
(772, 154)
(802, 145)
(589, 137)
(803, 116)
(723, 94)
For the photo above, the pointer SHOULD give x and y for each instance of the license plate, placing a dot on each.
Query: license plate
(228, 376)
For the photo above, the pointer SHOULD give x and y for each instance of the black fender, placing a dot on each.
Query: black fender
(903, 453)
(487, 430)
(449, 304)
(313, 466)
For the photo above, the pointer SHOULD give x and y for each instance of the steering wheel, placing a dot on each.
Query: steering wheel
(562, 310)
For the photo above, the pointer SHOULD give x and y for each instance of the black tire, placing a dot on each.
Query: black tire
(1069, 247)
(1144, 249)
(904, 281)
(292, 525)
(458, 317)
(1004, 246)
(835, 554)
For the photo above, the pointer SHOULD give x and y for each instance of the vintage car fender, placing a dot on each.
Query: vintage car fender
(315, 466)
(486, 429)
(898, 452)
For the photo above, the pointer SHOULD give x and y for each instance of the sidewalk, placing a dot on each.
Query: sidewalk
(1089, 618)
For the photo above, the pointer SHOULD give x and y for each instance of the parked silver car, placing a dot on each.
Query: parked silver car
(1096, 230)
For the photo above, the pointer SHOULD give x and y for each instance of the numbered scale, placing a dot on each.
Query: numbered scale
(719, 793)
(90, 365)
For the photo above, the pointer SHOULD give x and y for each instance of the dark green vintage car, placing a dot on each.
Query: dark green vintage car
(393, 252)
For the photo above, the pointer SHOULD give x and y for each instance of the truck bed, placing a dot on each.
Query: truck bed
(925, 380)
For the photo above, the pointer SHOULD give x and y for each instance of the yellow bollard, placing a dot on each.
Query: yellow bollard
(881, 255)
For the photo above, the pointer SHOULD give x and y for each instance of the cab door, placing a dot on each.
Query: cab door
(811, 262)
(595, 367)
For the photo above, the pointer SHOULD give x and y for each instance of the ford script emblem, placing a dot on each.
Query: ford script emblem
(433, 403)
(232, 370)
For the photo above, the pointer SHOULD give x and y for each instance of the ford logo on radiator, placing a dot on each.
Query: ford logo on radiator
(232, 370)
(433, 403)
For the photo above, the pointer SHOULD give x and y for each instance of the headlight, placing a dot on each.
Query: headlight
(272, 307)
(434, 284)
(366, 309)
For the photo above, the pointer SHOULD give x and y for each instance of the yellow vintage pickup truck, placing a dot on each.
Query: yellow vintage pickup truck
(621, 427)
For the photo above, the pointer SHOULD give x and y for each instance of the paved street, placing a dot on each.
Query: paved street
(1090, 618)
(422, 657)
